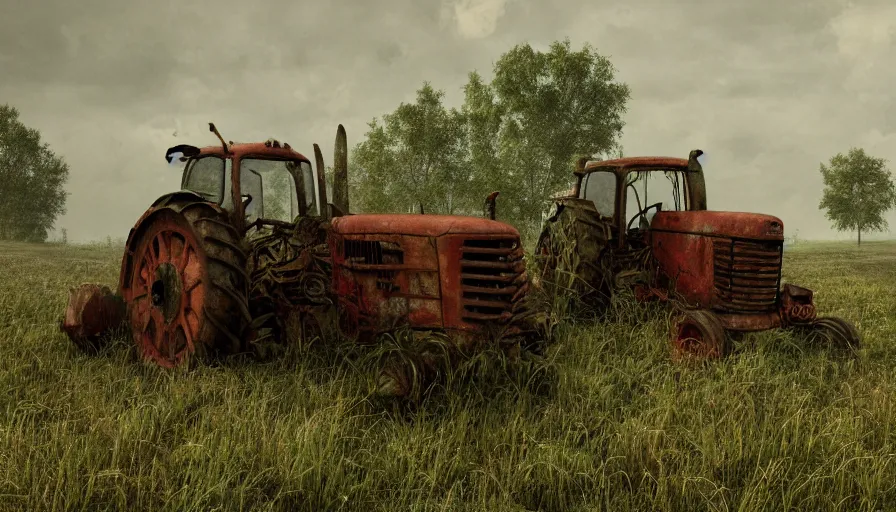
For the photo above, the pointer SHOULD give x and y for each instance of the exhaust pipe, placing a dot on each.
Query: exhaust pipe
(696, 181)
(490, 205)
(321, 182)
(340, 172)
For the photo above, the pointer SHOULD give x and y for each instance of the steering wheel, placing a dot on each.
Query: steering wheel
(643, 213)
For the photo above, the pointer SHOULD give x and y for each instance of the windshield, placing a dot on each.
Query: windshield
(269, 182)
(273, 190)
(205, 176)
(645, 188)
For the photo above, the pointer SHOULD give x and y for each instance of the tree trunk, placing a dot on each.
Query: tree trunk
(860, 237)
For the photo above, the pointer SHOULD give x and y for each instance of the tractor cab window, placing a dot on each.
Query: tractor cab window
(647, 192)
(205, 176)
(600, 188)
(273, 189)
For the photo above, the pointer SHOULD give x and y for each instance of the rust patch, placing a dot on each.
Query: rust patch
(797, 306)
(750, 322)
(92, 311)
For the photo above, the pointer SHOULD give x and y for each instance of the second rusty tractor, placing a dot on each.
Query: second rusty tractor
(643, 222)
(252, 244)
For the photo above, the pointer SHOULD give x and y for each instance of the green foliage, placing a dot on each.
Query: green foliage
(413, 156)
(548, 108)
(858, 191)
(519, 134)
(32, 181)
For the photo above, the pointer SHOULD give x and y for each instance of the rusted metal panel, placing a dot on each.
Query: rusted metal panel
(260, 149)
(747, 322)
(424, 313)
(797, 306)
(754, 226)
(386, 280)
(420, 225)
(92, 311)
(638, 162)
(685, 262)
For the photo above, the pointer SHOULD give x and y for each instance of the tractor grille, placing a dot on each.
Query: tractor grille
(384, 258)
(747, 275)
(492, 271)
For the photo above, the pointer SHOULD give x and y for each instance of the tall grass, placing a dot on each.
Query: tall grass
(604, 422)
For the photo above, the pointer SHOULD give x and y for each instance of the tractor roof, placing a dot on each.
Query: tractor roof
(638, 162)
(243, 149)
(419, 225)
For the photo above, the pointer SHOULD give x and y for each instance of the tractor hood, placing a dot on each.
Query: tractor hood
(419, 225)
(728, 224)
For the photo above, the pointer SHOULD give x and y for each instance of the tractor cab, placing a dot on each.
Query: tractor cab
(257, 183)
(629, 193)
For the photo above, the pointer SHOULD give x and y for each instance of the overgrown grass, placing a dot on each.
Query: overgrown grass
(605, 422)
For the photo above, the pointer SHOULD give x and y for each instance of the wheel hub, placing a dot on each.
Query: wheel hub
(166, 291)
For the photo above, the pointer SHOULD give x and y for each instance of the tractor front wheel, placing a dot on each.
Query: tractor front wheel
(698, 334)
(187, 288)
(835, 333)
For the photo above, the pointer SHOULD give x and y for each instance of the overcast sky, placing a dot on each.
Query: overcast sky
(768, 89)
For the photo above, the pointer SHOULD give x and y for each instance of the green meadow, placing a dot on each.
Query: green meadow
(605, 421)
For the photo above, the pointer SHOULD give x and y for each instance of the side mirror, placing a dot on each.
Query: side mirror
(177, 156)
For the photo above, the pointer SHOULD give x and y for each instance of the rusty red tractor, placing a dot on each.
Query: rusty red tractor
(643, 223)
(251, 245)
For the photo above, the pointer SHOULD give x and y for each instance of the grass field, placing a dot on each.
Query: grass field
(606, 422)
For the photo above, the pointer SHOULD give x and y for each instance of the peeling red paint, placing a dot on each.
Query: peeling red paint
(245, 149)
(420, 225)
(455, 273)
(638, 162)
(717, 223)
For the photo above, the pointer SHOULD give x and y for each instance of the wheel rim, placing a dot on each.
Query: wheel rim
(691, 341)
(166, 294)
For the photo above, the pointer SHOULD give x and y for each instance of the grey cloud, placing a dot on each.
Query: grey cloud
(768, 89)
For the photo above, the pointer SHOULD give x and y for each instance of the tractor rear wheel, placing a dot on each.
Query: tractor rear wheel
(698, 334)
(568, 254)
(835, 333)
(187, 292)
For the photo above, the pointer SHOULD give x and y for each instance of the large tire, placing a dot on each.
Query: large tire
(698, 334)
(568, 254)
(835, 333)
(184, 282)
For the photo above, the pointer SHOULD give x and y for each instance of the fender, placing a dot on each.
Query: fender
(160, 204)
